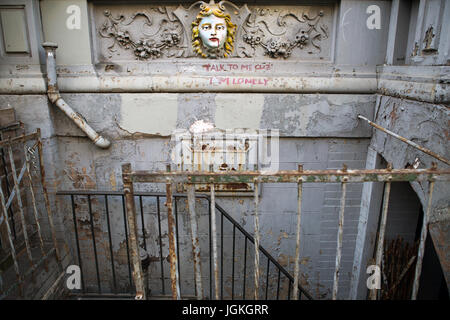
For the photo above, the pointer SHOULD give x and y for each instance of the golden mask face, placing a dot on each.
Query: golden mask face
(213, 33)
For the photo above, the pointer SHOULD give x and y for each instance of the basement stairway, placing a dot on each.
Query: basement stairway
(107, 272)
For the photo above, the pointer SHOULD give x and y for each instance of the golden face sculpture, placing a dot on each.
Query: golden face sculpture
(213, 32)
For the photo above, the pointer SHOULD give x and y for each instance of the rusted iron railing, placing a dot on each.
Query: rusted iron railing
(15, 193)
(407, 141)
(300, 176)
(11, 127)
(81, 199)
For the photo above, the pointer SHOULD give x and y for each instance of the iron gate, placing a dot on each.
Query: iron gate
(343, 176)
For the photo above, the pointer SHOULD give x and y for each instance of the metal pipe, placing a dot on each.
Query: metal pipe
(195, 241)
(380, 241)
(138, 276)
(221, 256)
(55, 97)
(161, 260)
(289, 290)
(245, 268)
(267, 277)
(232, 262)
(256, 240)
(214, 241)
(412, 144)
(423, 237)
(278, 285)
(94, 245)
(110, 244)
(210, 250)
(77, 242)
(174, 276)
(297, 248)
(144, 236)
(339, 240)
(177, 237)
(124, 211)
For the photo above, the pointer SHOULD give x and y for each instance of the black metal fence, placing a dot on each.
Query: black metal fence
(276, 276)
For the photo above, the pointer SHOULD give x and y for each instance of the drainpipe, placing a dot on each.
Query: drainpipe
(55, 97)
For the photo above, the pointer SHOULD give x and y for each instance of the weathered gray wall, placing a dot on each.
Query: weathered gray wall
(303, 140)
(426, 124)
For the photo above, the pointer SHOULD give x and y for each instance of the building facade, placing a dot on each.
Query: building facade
(137, 72)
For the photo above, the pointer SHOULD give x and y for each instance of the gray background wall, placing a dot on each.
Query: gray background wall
(314, 105)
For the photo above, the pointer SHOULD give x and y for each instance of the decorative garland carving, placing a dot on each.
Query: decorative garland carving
(165, 32)
(166, 41)
(276, 46)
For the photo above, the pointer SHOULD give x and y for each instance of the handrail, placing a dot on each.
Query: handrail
(403, 139)
(250, 237)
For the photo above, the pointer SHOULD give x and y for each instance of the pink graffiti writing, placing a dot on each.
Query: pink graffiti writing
(239, 81)
(227, 67)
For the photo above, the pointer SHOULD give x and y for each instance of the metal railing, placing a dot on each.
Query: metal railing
(300, 176)
(272, 266)
(15, 147)
(13, 126)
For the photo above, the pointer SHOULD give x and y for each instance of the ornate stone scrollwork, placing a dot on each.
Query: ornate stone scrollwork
(259, 33)
(221, 30)
(166, 41)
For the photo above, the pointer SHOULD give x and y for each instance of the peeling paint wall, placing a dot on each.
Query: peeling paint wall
(425, 124)
(313, 99)
(155, 114)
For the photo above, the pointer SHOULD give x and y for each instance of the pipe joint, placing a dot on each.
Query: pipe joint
(55, 97)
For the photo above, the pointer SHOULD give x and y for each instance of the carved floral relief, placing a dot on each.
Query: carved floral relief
(145, 45)
(222, 30)
(259, 33)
